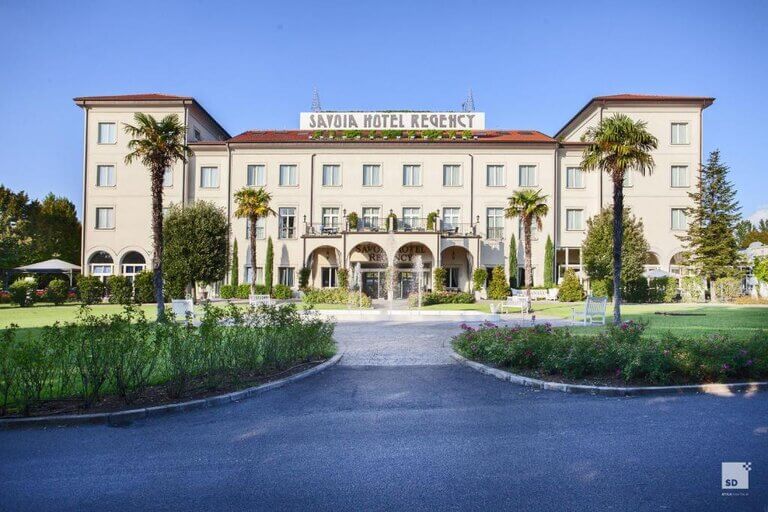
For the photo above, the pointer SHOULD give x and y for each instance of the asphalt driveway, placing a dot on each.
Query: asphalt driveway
(423, 435)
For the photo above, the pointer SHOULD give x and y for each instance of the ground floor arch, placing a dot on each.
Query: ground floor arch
(132, 263)
(677, 264)
(371, 260)
(323, 263)
(413, 263)
(101, 264)
(458, 264)
(652, 261)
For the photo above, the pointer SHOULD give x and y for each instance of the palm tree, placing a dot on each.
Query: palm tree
(253, 204)
(617, 146)
(530, 206)
(157, 145)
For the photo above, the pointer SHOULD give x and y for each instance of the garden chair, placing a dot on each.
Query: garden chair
(552, 294)
(183, 307)
(260, 300)
(593, 312)
(516, 302)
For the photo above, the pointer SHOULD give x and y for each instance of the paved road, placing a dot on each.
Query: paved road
(414, 437)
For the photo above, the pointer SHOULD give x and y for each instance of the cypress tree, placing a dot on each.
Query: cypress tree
(268, 265)
(234, 275)
(711, 244)
(512, 262)
(549, 262)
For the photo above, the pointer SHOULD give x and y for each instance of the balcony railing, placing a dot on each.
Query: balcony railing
(321, 229)
(370, 225)
(383, 225)
(457, 229)
(408, 224)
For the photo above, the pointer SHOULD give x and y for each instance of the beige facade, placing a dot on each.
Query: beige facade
(317, 181)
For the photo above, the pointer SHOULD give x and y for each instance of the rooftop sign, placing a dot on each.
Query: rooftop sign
(458, 121)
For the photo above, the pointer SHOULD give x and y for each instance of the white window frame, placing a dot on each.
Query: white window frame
(676, 124)
(327, 212)
(568, 225)
(499, 180)
(534, 233)
(168, 177)
(410, 173)
(447, 225)
(293, 177)
(686, 174)
(672, 219)
(96, 224)
(290, 272)
(520, 176)
(451, 275)
(452, 175)
(629, 179)
(109, 269)
(99, 167)
(413, 219)
(332, 276)
(379, 174)
(335, 180)
(367, 217)
(259, 274)
(494, 232)
(215, 178)
(284, 229)
(252, 175)
(114, 134)
(261, 224)
(578, 178)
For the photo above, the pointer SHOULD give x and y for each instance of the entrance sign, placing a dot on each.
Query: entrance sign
(458, 121)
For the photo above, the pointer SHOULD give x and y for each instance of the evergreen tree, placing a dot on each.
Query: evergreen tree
(744, 229)
(270, 261)
(497, 288)
(512, 262)
(711, 244)
(549, 262)
(596, 249)
(234, 271)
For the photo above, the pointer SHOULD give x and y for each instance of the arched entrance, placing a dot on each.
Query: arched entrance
(132, 263)
(101, 264)
(372, 259)
(677, 264)
(651, 261)
(457, 262)
(406, 262)
(323, 263)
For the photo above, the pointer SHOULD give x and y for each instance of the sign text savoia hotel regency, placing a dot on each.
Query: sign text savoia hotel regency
(383, 191)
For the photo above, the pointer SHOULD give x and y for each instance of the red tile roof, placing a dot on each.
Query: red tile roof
(135, 97)
(484, 136)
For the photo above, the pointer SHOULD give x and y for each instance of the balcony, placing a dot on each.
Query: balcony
(457, 229)
(333, 229)
(384, 225)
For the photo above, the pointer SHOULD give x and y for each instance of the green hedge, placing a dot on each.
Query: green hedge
(314, 296)
(120, 289)
(57, 291)
(618, 352)
(143, 288)
(431, 298)
(241, 291)
(23, 292)
(282, 291)
(90, 289)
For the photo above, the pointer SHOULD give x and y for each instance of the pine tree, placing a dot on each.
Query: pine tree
(512, 262)
(711, 243)
(596, 248)
(234, 273)
(270, 261)
(549, 262)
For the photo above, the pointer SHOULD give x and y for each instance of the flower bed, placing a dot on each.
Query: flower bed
(124, 360)
(620, 353)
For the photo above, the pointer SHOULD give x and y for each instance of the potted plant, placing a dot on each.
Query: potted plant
(352, 220)
(431, 221)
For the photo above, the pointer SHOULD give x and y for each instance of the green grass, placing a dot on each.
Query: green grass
(43, 314)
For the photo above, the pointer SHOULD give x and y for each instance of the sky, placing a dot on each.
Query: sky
(530, 65)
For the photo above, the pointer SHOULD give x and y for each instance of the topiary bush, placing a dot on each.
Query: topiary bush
(727, 289)
(57, 291)
(342, 275)
(601, 287)
(227, 291)
(120, 289)
(23, 292)
(314, 296)
(282, 291)
(479, 277)
(570, 289)
(439, 275)
(428, 299)
(692, 289)
(636, 291)
(90, 289)
(662, 289)
(498, 289)
(304, 274)
(143, 288)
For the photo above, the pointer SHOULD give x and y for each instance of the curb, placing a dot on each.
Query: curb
(609, 390)
(123, 417)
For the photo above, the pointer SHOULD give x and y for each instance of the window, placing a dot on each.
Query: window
(101, 269)
(451, 175)
(528, 176)
(287, 222)
(288, 176)
(371, 218)
(451, 218)
(628, 181)
(574, 177)
(680, 176)
(330, 217)
(521, 234)
(371, 175)
(331, 175)
(131, 269)
(260, 224)
(574, 220)
(680, 133)
(209, 177)
(197, 134)
(249, 275)
(168, 178)
(495, 220)
(166, 211)
(105, 175)
(256, 176)
(328, 277)
(105, 218)
(107, 133)
(412, 218)
(679, 220)
(494, 176)
(411, 175)
(452, 277)
(285, 275)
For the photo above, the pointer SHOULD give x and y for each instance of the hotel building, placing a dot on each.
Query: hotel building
(440, 195)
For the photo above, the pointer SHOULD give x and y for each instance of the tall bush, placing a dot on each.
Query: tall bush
(57, 291)
(549, 263)
(234, 270)
(90, 289)
(120, 289)
(304, 274)
(440, 274)
(143, 288)
(727, 289)
(601, 287)
(269, 265)
(498, 289)
(570, 289)
(512, 262)
(342, 275)
(663, 289)
(23, 292)
(479, 278)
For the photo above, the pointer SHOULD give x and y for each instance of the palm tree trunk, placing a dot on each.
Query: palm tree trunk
(528, 260)
(618, 236)
(252, 242)
(157, 240)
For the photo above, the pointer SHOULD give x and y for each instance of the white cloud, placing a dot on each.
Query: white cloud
(760, 213)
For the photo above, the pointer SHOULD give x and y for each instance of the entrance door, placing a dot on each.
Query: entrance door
(407, 284)
(372, 284)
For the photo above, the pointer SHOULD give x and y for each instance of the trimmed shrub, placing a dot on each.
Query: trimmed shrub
(692, 289)
(23, 292)
(120, 289)
(90, 289)
(479, 277)
(304, 277)
(727, 289)
(282, 291)
(663, 289)
(227, 291)
(636, 291)
(570, 289)
(498, 289)
(428, 299)
(601, 287)
(342, 275)
(439, 276)
(143, 288)
(57, 291)
(339, 295)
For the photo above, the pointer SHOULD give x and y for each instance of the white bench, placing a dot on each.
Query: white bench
(593, 313)
(260, 300)
(538, 293)
(183, 307)
(552, 294)
(520, 302)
